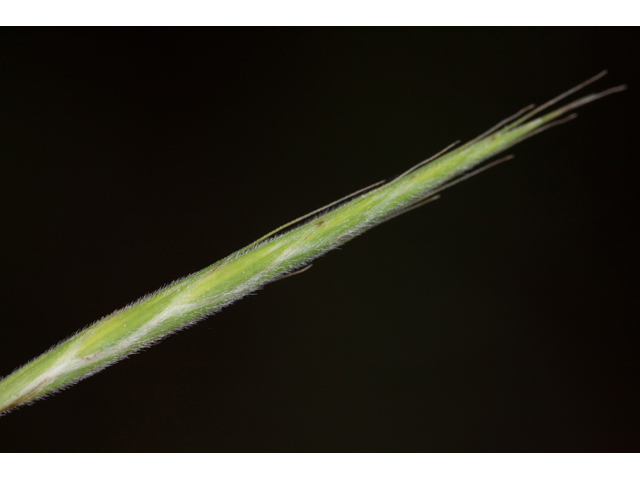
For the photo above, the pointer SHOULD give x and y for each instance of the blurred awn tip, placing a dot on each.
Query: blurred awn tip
(282, 252)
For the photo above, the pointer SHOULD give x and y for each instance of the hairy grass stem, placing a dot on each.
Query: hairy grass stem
(284, 251)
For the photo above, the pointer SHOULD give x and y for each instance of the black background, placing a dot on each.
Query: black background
(504, 316)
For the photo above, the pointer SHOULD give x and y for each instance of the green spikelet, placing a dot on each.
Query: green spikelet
(282, 251)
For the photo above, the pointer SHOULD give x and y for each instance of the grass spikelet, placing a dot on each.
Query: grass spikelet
(284, 251)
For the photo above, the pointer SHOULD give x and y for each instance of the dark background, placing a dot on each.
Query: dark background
(502, 317)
